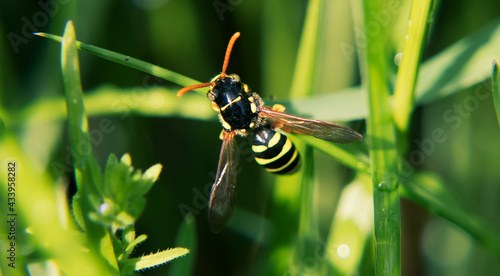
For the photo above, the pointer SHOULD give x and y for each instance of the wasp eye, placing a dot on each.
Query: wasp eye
(236, 77)
(211, 95)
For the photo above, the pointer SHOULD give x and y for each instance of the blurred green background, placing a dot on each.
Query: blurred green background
(190, 37)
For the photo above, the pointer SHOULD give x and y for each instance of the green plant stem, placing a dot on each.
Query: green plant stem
(382, 141)
(410, 63)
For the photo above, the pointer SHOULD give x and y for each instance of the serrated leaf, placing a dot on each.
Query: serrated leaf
(152, 260)
(128, 242)
(135, 243)
(128, 235)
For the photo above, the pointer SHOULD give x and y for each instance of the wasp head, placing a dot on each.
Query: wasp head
(225, 88)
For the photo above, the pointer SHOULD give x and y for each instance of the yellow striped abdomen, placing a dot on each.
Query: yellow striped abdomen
(275, 152)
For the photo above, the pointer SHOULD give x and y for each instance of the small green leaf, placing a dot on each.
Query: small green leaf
(126, 159)
(152, 173)
(77, 211)
(135, 243)
(129, 235)
(152, 260)
(129, 242)
(123, 192)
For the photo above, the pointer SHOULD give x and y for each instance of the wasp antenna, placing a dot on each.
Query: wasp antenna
(228, 53)
(192, 87)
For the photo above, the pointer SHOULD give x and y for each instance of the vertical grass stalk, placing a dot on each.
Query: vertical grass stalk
(382, 141)
(410, 63)
(287, 188)
(86, 169)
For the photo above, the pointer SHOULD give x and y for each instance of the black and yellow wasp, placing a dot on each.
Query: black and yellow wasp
(242, 112)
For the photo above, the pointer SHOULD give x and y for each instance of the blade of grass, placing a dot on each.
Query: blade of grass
(382, 141)
(461, 65)
(85, 169)
(408, 71)
(302, 85)
(296, 191)
(349, 155)
(279, 41)
(495, 88)
(132, 63)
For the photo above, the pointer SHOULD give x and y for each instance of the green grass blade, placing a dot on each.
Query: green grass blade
(408, 71)
(85, 169)
(459, 66)
(78, 125)
(287, 191)
(302, 85)
(303, 77)
(382, 141)
(348, 155)
(132, 63)
(339, 106)
(495, 85)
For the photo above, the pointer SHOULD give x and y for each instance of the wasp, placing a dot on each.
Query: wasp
(242, 112)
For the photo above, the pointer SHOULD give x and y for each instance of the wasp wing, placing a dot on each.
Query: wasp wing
(319, 129)
(223, 193)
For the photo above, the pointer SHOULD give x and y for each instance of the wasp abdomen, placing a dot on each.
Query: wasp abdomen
(275, 152)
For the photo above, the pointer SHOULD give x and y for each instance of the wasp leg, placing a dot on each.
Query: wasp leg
(215, 107)
(223, 134)
(245, 88)
(279, 108)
